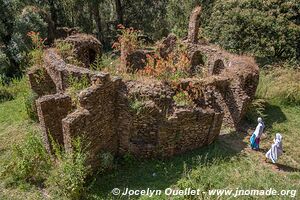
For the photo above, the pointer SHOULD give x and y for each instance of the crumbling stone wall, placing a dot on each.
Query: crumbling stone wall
(141, 117)
(51, 110)
(86, 47)
(94, 119)
(194, 25)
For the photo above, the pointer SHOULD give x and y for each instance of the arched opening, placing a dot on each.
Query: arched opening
(218, 67)
(92, 55)
(197, 62)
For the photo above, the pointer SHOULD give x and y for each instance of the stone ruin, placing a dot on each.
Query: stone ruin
(104, 115)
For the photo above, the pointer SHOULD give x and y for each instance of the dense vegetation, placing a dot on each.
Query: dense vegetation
(269, 30)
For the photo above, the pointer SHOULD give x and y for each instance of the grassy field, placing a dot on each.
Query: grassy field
(228, 163)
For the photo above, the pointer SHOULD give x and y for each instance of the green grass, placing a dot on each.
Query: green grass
(227, 163)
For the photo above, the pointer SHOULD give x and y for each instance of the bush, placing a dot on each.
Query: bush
(183, 99)
(173, 68)
(28, 161)
(107, 161)
(67, 177)
(136, 105)
(76, 84)
(31, 105)
(5, 95)
(266, 29)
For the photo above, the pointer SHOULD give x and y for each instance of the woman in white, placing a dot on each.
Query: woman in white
(276, 149)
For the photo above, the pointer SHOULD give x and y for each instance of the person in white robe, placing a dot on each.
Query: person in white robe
(276, 149)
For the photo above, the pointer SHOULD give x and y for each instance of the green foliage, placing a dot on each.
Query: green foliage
(28, 161)
(147, 16)
(128, 159)
(178, 13)
(183, 99)
(178, 16)
(104, 63)
(4, 67)
(77, 84)
(106, 161)
(267, 29)
(67, 178)
(136, 105)
(256, 109)
(30, 105)
(65, 49)
(5, 95)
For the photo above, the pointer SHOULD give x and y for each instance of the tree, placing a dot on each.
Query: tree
(119, 11)
(268, 29)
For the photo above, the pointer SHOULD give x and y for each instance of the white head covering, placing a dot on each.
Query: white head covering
(259, 120)
(259, 128)
(278, 139)
(276, 149)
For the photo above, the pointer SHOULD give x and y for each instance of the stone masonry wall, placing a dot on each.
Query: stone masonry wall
(95, 120)
(107, 120)
(51, 110)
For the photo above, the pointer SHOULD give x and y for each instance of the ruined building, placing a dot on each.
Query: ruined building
(159, 128)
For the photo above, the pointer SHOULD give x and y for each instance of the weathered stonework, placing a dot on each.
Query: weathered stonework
(141, 117)
(86, 47)
(194, 25)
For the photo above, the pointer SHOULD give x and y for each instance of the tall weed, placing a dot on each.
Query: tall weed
(28, 161)
(67, 177)
(280, 84)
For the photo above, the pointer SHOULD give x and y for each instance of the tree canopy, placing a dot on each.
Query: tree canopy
(265, 29)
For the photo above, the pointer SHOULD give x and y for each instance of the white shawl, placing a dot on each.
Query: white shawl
(276, 149)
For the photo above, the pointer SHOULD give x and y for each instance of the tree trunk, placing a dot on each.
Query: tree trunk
(53, 12)
(97, 19)
(119, 11)
(90, 6)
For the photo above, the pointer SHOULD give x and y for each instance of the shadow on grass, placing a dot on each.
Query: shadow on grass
(274, 115)
(161, 173)
(286, 168)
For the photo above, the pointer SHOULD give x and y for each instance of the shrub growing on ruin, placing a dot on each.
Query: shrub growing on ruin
(127, 40)
(65, 49)
(256, 109)
(106, 161)
(105, 63)
(136, 105)
(182, 99)
(36, 54)
(77, 84)
(174, 67)
(67, 177)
